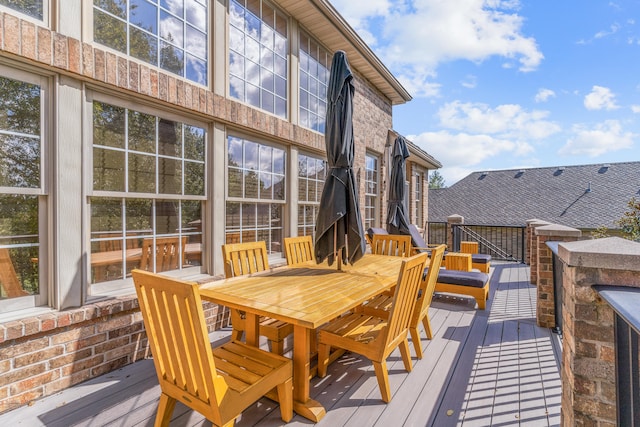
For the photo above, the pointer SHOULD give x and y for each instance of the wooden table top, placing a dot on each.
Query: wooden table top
(309, 294)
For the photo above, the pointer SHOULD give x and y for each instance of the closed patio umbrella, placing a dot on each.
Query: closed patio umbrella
(339, 225)
(397, 219)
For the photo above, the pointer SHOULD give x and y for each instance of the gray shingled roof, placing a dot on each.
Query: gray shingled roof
(559, 195)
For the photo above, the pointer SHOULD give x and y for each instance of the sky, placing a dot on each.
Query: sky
(510, 84)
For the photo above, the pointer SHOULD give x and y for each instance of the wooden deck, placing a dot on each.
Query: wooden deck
(483, 368)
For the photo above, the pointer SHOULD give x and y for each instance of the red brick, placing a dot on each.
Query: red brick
(20, 374)
(111, 344)
(47, 322)
(99, 74)
(153, 82)
(28, 39)
(11, 34)
(5, 365)
(32, 383)
(14, 330)
(44, 45)
(111, 66)
(30, 346)
(82, 365)
(127, 330)
(607, 353)
(70, 358)
(75, 55)
(123, 73)
(86, 342)
(114, 323)
(60, 51)
(74, 334)
(134, 76)
(110, 366)
(88, 70)
(17, 401)
(36, 357)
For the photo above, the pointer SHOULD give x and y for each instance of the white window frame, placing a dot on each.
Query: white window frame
(316, 102)
(45, 21)
(314, 204)
(372, 222)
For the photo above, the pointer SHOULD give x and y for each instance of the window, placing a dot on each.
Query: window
(255, 193)
(258, 55)
(22, 189)
(314, 79)
(418, 178)
(36, 9)
(312, 173)
(169, 34)
(148, 189)
(371, 194)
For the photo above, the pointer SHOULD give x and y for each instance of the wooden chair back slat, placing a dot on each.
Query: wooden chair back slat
(245, 258)
(298, 249)
(458, 261)
(391, 244)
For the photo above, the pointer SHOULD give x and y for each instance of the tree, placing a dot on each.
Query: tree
(436, 180)
(630, 221)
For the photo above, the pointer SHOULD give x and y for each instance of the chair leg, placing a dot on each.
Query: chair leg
(323, 359)
(417, 344)
(165, 409)
(277, 347)
(427, 326)
(236, 334)
(285, 398)
(382, 376)
(406, 355)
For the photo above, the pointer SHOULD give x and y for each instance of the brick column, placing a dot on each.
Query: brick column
(545, 307)
(588, 353)
(451, 220)
(532, 248)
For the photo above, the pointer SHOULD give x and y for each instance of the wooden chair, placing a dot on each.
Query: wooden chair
(298, 249)
(247, 258)
(479, 261)
(219, 383)
(381, 305)
(9, 282)
(169, 254)
(391, 244)
(458, 261)
(374, 337)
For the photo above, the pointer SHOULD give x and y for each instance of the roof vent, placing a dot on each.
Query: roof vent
(483, 175)
(519, 173)
(604, 168)
(559, 171)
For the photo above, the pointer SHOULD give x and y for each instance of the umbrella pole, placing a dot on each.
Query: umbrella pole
(336, 253)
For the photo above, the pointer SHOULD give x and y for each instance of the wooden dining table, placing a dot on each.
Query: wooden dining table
(306, 295)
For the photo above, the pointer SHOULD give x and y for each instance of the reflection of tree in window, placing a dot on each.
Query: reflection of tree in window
(19, 134)
(32, 8)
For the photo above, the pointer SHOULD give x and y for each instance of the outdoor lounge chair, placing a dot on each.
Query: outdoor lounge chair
(374, 337)
(219, 383)
(480, 261)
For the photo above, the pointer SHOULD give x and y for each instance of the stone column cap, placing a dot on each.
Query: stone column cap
(612, 253)
(537, 223)
(455, 218)
(530, 221)
(557, 230)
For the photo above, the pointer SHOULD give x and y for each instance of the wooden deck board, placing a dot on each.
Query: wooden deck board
(492, 367)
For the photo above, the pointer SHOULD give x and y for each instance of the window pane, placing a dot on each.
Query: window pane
(106, 217)
(194, 143)
(19, 161)
(194, 178)
(169, 138)
(110, 31)
(143, 15)
(234, 182)
(197, 14)
(169, 176)
(171, 58)
(18, 246)
(251, 185)
(142, 132)
(142, 173)
(108, 170)
(108, 125)
(166, 216)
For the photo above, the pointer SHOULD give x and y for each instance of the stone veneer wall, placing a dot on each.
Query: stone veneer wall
(588, 348)
(40, 355)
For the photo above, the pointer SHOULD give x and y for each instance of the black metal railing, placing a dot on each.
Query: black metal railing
(557, 266)
(437, 233)
(501, 242)
(625, 302)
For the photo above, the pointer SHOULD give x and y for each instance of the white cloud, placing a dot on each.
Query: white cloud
(466, 150)
(415, 37)
(506, 121)
(603, 138)
(469, 82)
(543, 95)
(600, 98)
(635, 108)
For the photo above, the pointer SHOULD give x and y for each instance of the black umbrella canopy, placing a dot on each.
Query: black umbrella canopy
(339, 225)
(397, 219)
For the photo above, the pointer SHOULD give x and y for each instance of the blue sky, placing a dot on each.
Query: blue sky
(508, 84)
